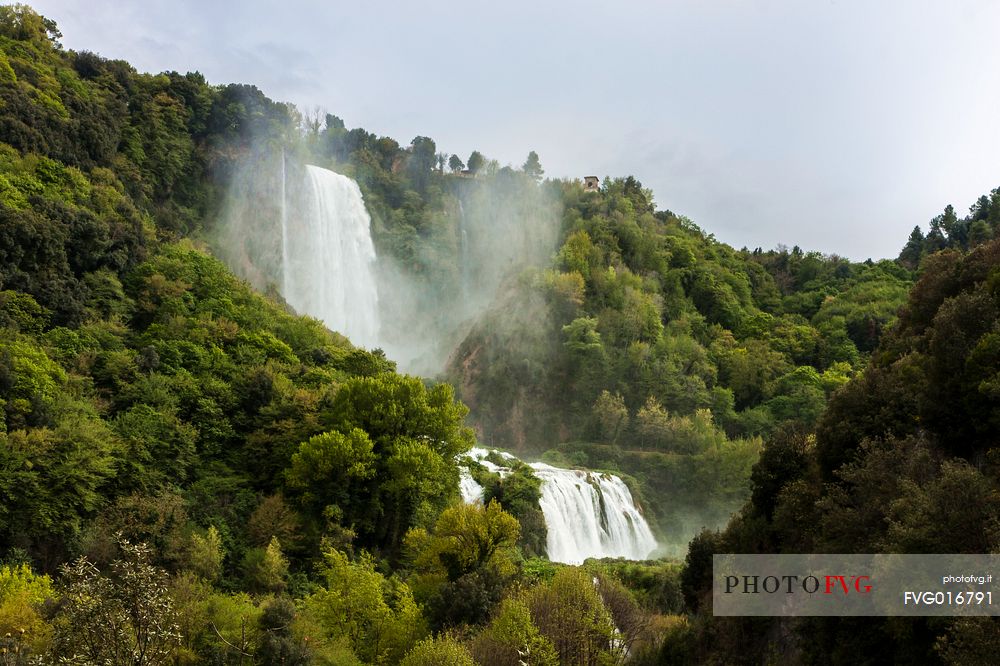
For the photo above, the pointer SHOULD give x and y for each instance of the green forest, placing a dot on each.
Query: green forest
(191, 472)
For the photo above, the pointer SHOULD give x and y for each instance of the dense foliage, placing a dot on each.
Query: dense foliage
(191, 473)
(904, 460)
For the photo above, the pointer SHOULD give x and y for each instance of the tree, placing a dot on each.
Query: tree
(519, 492)
(394, 441)
(160, 447)
(207, 554)
(266, 569)
(783, 460)
(126, 618)
(278, 645)
(423, 158)
(22, 595)
(424, 155)
(747, 368)
(632, 623)
(798, 396)
(970, 640)
(50, 480)
(465, 564)
(512, 639)
(329, 470)
(949, 221)
(578, 253)
(569, 612)
(441, 651)
(468, 537)
(23, 23)
(377, 616)
(456, 164)
(913, 250)
(388, 407)
(532, 167)
(696, 577)
(653, 424)
(273, 518)
(216, 627)
(961, 502)
(611, 414)
(979, 233)
(476, 162)
(935, 239)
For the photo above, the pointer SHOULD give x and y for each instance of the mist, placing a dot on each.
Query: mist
(496, 228)
(275, 233)
(247, 232)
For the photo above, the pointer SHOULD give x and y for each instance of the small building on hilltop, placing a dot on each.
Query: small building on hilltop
(591, 184)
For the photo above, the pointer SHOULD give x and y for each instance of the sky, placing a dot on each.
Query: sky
(835, 125)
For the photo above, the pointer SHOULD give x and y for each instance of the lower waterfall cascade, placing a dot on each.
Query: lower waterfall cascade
(587, 514)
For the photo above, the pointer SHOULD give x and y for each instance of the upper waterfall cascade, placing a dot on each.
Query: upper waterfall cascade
(328, 258)
(587, 514)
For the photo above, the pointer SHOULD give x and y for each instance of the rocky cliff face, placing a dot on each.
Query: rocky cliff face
(501, 371)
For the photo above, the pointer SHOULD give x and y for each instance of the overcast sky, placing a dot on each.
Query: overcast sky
(836, 125)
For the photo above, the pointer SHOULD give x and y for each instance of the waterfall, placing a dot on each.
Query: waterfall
(587, 514)
(284, 224)
(328, 257)
(471, 491)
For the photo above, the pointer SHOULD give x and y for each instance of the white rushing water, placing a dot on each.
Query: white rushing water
(587, 514)
(328, 258)
(471, 491)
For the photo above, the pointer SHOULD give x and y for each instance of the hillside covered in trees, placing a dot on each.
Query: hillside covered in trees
(190, 472)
